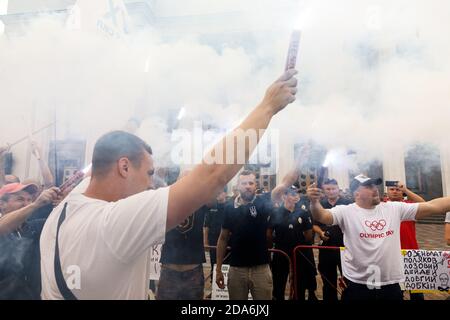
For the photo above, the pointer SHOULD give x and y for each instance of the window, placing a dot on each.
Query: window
(423, 171)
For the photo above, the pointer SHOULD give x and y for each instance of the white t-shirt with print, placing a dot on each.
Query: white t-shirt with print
(447, 217)
(105, 243)
(372, 241)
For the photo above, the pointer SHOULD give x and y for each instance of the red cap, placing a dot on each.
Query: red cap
(16, 187)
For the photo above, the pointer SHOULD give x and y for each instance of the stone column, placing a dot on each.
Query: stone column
(339, 173)
(394, 164)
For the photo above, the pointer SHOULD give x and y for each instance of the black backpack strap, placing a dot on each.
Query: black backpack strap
(62, 285)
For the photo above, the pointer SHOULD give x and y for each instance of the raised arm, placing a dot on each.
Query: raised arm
(411, 195)
(436, 206)
(208, 178)
(3, 151)
(13, 220)
(47, 175)
(318, 212)
(291, 177)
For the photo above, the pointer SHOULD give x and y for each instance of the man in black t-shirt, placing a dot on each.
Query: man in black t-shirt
(330, 260)
(289, 229)
(246, 226)
(215, 214)
(182, 258)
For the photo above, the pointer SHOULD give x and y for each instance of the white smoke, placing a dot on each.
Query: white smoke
(370, 74)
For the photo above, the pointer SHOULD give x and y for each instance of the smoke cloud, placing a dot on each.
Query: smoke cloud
(371, 74)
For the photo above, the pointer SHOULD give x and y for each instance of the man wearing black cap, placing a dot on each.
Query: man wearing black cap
(330, 260)
(305, 278)
(372, 262)
(289, 229)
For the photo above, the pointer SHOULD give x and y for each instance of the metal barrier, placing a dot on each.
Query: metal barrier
(291, 274)
(294, 267)
(293, 262)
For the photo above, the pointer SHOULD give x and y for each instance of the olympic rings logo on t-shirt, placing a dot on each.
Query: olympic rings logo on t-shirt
(376, 225)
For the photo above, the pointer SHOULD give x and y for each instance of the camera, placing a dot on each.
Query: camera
(391, 183)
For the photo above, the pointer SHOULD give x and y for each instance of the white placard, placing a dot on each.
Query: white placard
(155, 266)
(217, 293)
(427, 270)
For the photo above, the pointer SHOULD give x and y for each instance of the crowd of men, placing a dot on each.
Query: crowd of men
(245, 225)
(104, 228)
(24, 208)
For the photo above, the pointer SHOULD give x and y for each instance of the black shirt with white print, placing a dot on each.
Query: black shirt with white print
(248, 224)
(184, 244)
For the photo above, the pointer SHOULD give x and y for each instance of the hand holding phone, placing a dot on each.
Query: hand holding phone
(391, 183)
(321, 176)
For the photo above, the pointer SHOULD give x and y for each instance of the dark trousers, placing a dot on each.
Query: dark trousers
(15, 287)
(305, 271)
(185, 285)
(360, 292)
(306, 274)
(280, 273)
(329, 261)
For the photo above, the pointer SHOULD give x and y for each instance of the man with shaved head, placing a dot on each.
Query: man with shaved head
(95, 245)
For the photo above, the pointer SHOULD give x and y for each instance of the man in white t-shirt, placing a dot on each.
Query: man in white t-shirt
(95, 245)
(372, 262)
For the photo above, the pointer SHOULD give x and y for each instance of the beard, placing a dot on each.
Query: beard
(247, 195)
(376, 201)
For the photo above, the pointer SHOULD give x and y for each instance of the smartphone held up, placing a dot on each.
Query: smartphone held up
(391, 183)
